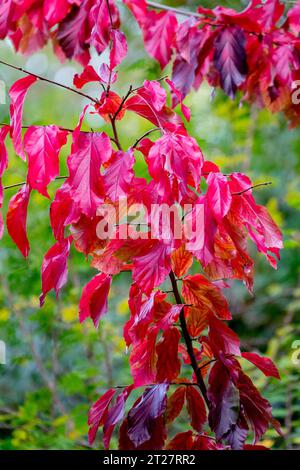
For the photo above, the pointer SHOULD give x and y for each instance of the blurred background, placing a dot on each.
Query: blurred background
(56, 367)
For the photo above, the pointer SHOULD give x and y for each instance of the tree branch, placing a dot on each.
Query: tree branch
(39, 77)
(188, 341)
(16, 185)
(178, 11)
(259, 185)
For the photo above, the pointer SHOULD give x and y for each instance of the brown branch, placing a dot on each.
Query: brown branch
(188, 341)
(16, 185)
(178, 11)
(39, 77)
(145, 135)
(259, 185)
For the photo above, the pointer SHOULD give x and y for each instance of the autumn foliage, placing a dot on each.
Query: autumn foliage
(182, 353)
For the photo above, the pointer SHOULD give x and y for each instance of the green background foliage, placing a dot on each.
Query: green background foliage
(56, 367)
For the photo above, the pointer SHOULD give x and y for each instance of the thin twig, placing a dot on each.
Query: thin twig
(251, 187)
(188, 341)
(145, 135)
(16, 185)
(178, 11)
(39, 77)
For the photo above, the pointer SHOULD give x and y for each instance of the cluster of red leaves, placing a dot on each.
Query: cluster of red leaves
(163, 337)
(256, 51)
(72, 25)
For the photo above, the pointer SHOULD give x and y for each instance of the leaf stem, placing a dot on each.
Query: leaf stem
(188, 341)
(39, 77)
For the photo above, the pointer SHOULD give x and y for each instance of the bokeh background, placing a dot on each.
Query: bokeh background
(56, 367)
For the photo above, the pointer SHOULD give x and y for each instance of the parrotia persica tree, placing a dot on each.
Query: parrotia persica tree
(182, 351)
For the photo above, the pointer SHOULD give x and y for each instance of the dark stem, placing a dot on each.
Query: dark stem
(188, 341)
(39, 77)
(145, 135)
(251, 187)
(114, 128)
(16, 185)
(178, 11)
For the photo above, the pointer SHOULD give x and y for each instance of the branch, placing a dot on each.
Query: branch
(145, 135)
(178, 11)
(39, 77)
(259, 185)
(188, 341)
(16, 185)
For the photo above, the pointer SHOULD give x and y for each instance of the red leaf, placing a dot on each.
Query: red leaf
(178, 156)
(196, 408)
(141, 417)
(156, 441)
(158, 30)
(182, 441)
(224, 398)
(93, 302)
(119, 48)
(55, 268)
(73, 33)
(115, 414)
(230, 58)
(89, 151)
(42, 145)
(256, 409)
(100, 19)
(218, 195)
(56, 10)
(143, 360)
(200, 292)
(88, 75)
(119, 175)
(98, 412)
(16, 219)
(6, 16)
(182, 260)
(265, 364)
(168, 363)
(175, 404)
(63, 211)
(17, 95)
(222, 339)
(3, 152)
(152, 267)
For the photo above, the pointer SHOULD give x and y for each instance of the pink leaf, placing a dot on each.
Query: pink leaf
(218, 195)
(265, 364)
(98, 412)
(158, 30)
(73, 33)
(89, 151)
(231, 59)
(140, 418)
(17, 94)
(3, 152)
(119, 48)
(88, 75)
(93, 302)
(177, 98)
(56, 10)
(42, 145)
(16, 219)
(152, 267)
(55, 268)
(119, 174)
(63, 211)
(115, 414)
